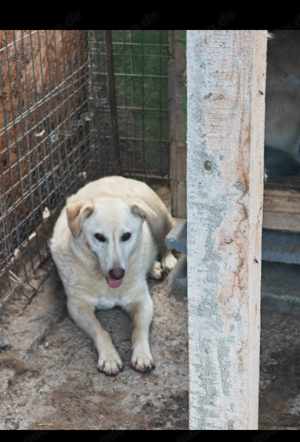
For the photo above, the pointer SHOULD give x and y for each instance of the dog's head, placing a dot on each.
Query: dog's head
(112, 229)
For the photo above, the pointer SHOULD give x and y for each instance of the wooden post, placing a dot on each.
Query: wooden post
(226, 73)
(116, 160)
(177, 79)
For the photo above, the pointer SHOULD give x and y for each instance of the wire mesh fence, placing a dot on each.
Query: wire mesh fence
(75, 106)
(140, 61)
(44, 127)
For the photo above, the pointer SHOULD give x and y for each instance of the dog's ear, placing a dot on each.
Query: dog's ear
(77, 213)
(141, 208)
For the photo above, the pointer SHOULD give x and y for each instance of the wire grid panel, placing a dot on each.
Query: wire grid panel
(45, 154)
(141, 82)
(100, 131)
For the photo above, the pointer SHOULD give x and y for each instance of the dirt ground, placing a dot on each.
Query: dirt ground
(280, 371)
(49, 377)
(280, 347)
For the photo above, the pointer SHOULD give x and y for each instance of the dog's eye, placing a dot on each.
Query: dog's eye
(126, 236)
(100, 237)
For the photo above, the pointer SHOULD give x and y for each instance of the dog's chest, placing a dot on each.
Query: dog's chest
(108, 301)
(98, 293)
(104, 302)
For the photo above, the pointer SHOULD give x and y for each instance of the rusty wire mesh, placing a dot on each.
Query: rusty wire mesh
(59, 129)
(46, 113)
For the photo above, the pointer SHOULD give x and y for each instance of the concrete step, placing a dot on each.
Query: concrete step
(177, 238)
(280, 287)
(177, 279)
(276, 246)
(280, 282)
(281, 246)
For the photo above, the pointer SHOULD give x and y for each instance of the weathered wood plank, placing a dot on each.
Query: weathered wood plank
(282, 201)
(295, 193)
(226, 73)
(176, 125)
(286, 222)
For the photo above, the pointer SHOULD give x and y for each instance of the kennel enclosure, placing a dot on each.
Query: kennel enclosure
(75, 106)
(69, 119)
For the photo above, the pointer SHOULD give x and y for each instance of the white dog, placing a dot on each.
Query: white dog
(104, 243)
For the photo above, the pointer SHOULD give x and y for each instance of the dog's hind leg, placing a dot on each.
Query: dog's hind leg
(168, 260)
(164, 226)
(156, 271)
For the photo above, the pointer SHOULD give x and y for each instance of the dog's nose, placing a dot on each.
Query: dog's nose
(116, 273)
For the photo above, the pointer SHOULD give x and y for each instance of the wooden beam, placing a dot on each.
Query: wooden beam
(282, 210)
(177, 70)
(287, 201)
(226, 73)
(116, 157)
(286, 222)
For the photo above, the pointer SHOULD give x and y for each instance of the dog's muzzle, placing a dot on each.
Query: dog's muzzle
(116, 278)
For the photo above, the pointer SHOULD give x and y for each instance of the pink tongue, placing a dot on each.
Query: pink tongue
(114, 283)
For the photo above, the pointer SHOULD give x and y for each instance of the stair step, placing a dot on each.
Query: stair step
(280, 246)
(177, 237)
(280, 284)
(280, 279)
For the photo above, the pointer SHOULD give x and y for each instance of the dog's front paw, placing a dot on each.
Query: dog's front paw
(142, 360)
(157, 271)
(168, 262)
(110, 362)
